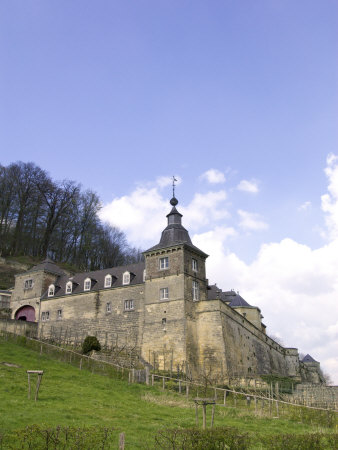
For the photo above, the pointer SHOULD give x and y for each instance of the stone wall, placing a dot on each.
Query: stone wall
(19, 327)
(235, 347)
(86, 314)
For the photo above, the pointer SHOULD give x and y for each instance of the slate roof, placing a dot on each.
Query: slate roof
(308, 358)
(175, 233)
(233, 299)
(98, 276)
(48, 266)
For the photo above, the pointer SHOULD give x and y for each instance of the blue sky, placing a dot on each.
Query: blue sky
(116, 94)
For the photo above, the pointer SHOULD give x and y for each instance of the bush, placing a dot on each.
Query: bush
(89, 344)
(197, 439)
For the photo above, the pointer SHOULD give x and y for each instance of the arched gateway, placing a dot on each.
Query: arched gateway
(25, 313)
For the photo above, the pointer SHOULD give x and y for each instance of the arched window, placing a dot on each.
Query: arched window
(51, 290)
(69, 287)
(107, 281)
(87, 284)
(126, 278)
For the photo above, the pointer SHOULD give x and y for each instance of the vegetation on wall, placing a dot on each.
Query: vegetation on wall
(41, 217)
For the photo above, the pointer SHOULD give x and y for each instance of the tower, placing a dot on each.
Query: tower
(174, 280)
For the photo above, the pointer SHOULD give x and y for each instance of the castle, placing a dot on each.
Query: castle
(164, 307)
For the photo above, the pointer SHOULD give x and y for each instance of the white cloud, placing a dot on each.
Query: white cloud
(251, 221)
(305, 206)
(248, 186)
(142, 214)
(213, 176)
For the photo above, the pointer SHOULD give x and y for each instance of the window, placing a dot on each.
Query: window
(164, 321)
(144, 275)
(195, 291)
(128, 305)
(107, 281)
(69, 287)
(51, 290)
(45, 316)
(29, 284)
(164, 293)
(164, 263)
(108, 307)
(87, 284)
(59, 314)
(126, 278)
(194, 265)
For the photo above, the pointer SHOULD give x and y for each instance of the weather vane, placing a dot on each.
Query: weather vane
(174, 179)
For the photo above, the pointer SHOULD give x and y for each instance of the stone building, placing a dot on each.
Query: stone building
(164, 307)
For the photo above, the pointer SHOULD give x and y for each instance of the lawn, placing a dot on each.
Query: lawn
(72, 397)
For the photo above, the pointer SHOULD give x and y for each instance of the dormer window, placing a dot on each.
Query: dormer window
(51, 290)
(164, 263)
(126, 278)
(107, 281)
(144, 275)
(194, 265)
(87, 284)
(69, 287)
(28, 284)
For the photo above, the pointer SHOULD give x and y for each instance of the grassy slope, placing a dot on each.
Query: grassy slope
(69, 396)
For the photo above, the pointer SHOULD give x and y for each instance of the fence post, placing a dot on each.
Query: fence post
(187, 389)
(121, 441)
(163, 383)
(179, 386)
(147, 375)
(224, 397)
(152, 379)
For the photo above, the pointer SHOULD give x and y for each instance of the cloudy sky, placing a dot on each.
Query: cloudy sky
(238, 100)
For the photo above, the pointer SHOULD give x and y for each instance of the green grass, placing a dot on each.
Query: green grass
(70, 397)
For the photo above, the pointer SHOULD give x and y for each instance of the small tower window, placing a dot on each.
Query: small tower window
(126, 278)
(195, 291)
(108, 307)
(107, 281)
(69, 287)
(194, 265)
(87, 284)
(51, 290)
(59, 314)
(28, 284)
(164, 263)
(164, 293)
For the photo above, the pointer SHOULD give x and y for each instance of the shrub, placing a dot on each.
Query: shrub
(197, 439)
(89, 344)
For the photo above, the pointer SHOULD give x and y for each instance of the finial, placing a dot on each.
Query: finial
(174, 200)
(174, 179)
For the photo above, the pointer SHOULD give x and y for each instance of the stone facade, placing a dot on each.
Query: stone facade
(163, 307)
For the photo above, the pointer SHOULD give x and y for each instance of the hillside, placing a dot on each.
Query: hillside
(70, 397)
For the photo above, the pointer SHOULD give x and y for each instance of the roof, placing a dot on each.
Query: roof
(308, 359)
(175, 233)
(98, 276)
(233, 299)
(48, 266)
